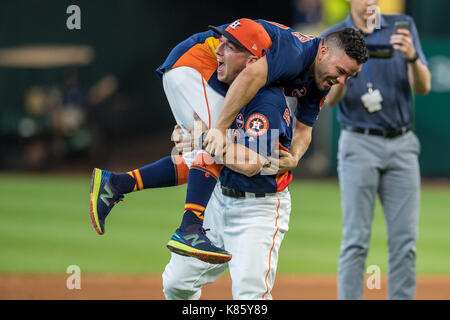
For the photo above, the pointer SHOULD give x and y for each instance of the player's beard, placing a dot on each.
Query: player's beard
(324, 81)
(326, 84)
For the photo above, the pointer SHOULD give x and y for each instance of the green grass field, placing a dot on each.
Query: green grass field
(45, 227)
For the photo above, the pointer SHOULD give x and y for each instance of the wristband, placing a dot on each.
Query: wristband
(414, 59)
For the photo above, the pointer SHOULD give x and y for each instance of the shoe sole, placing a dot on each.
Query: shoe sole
(96, 181)
(206, 256)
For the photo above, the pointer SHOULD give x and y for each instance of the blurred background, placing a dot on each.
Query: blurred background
(74, 99)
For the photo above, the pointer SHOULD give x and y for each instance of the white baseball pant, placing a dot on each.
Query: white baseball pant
(252, 230)
(188, 92)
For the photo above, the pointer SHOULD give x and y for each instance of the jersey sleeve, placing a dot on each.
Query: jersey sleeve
(309, 106)
(180, 49)
(280, 64)
(288, 57)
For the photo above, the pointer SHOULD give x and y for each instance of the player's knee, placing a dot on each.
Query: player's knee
(173, 292)
(175, 288)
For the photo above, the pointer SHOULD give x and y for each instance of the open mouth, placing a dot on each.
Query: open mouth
(220, 66)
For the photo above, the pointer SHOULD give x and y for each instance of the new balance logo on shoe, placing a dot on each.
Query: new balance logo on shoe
(107, 196)
(195, 240)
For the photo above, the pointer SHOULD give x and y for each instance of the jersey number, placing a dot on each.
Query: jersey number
(287, 116)
(301, 37)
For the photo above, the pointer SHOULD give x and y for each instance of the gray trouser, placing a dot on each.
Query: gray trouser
(369, 165)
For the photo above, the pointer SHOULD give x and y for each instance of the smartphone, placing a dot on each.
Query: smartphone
(401, 25)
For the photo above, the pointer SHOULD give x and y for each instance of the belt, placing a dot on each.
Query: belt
(234, 193)
(382, 133)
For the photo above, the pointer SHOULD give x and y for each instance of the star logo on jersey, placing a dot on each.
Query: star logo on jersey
(235, 24)
(257, 125)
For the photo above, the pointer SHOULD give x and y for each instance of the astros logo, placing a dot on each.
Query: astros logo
(240, 121)
(235, 24)
(257, 125)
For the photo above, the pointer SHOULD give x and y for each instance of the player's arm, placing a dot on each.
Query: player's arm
(306, 115)
(300, 143)
(237, 157)
(336, 94)
(243, 160)
(241, 91)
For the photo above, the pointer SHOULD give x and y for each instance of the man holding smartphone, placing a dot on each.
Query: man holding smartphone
(378, 152)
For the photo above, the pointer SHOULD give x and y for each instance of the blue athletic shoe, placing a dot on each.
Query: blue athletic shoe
(102, 198)
(194, 243)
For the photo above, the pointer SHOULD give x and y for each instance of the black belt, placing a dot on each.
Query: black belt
(382, 133)
(234, 193)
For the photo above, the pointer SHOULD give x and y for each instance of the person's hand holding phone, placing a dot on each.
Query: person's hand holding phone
(402, 40)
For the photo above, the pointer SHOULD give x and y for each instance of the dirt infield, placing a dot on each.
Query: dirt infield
(120, 287)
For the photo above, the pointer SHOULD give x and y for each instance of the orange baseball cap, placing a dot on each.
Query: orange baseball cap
(247, 33)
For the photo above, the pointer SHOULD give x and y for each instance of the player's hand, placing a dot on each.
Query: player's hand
(183, 141)
(286, 161)
(215, 142)
(280, 162)
(402, 40)
(196, 132)
(199, 124)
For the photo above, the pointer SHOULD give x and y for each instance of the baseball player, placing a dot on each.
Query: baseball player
(194, 82)
(309, 65)
(248, 214)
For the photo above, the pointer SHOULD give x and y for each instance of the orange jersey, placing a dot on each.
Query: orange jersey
(197, 52)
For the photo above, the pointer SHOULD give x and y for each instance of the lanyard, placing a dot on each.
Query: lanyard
(367, 67)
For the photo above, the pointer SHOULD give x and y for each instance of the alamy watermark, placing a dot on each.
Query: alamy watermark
(74, 280)
(374, 20)
(374, 280)
(74, 20)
